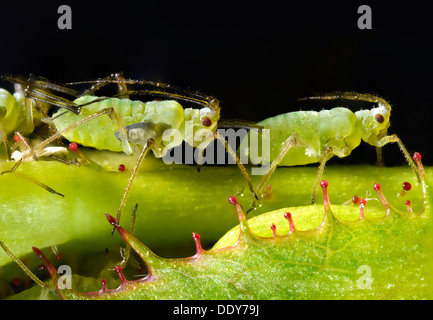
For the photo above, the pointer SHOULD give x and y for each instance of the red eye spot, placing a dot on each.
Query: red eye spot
(206, 122)
(121, 167)
(379, 118)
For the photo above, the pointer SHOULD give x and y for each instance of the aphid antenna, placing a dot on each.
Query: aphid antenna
(350, 95)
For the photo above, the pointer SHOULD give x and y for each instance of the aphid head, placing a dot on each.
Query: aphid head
(204, 122)
(375, 122)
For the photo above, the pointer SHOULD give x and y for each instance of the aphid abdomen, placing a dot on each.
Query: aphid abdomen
(315, 132)
(99, 133)
(303, 125)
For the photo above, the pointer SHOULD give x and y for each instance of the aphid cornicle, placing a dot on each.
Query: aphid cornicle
(304, 137)
(127, 122)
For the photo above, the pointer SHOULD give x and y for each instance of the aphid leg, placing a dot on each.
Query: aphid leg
(326, 156)
(127, 251)
(288, 144)
(140, 159)
(38, 183)
(379, 159)
(23, 266)
(23, 144)
(28, 112)
(233, 154)
(394, 138)
(108, 111)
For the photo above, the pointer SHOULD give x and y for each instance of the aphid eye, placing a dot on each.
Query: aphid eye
(379, 118)
(206, 122)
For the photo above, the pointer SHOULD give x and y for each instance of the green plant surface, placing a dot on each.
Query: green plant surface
(174, 201)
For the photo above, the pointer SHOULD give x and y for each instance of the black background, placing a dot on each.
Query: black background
(257, 57)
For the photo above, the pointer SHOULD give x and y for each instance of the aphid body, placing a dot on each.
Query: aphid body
(315, 132)
(143, 120)
(304, 137)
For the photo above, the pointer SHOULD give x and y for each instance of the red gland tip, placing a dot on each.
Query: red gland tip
(198, 247)
(288, 216)
(376, 187)
(233, 200)
(17, 137)
(196, 236)
(407, 186)
(274, 229)
(38, 252)
(119, 272)
(416, 156)
(73, 146)
(363, 202)
(324, 184)
(356, 200)
(103, 285)
(111, 220)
